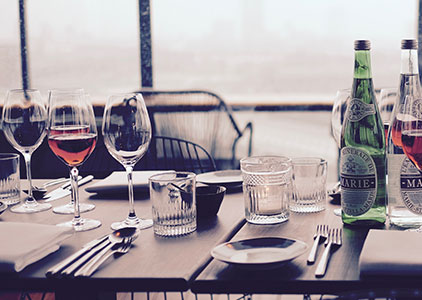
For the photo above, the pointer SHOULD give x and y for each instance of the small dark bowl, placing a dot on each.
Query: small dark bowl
(208, 199)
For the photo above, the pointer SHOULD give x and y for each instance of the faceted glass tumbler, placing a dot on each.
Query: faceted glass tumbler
(173, 203)
(267, 188)
(309, 184)
(10, 192)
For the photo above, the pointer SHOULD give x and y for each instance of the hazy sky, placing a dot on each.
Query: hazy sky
(241, 36)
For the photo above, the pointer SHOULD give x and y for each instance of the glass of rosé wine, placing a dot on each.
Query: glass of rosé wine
(24, 126)
(411, 132)
(127, 134)
(72, 136)
(68, 96)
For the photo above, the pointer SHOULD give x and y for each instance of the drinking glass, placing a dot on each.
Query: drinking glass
(67, 96)
(337, 113)
(127, 134)
(411, 137)
(24, 124)
(72, 135)
(386, 103)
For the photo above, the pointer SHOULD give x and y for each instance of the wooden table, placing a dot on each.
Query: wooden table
(153, 264)
(180, 264)
(297, 277)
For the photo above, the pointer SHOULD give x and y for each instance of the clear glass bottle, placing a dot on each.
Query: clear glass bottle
(362, 155)
(404, 180)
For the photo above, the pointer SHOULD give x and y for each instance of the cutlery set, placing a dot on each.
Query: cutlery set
(332, 237)
(64, 190)
(86, 261)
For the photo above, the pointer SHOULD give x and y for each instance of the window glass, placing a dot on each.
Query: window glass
(90, 44)
(10, 67)
(273, 51)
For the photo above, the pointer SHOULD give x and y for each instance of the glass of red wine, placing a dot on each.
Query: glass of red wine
(24, 126)
(411, 133)
(72, 136)
(127, 134)
(67, 96)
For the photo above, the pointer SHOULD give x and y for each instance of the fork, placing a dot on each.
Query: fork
(89, 268)
(321, 233)
(334, 238)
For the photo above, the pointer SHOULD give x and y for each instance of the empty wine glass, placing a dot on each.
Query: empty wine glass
(337, 113)
(127, 134)
(386, 103)
(67, 96)
(337, 117)
(24, 124)
(72, 136)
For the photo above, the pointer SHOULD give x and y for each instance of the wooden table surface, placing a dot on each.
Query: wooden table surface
(297, 276)
(153, 264)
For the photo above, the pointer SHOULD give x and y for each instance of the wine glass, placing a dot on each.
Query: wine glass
(337, 113)
(386, 103)
(67, 96)
(337, 117)
(127, 134)
(72, 136)
(24, 124)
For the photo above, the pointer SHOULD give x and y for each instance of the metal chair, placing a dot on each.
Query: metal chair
(202, 117)
(164, 153)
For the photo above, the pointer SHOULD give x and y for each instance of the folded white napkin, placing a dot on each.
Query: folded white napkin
(391, 252)
(117, 182)
(22, 244)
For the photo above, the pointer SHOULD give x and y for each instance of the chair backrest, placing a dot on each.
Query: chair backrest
(164, 153)
(168, 153)
(201, 117)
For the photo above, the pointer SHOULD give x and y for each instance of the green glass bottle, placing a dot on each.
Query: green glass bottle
(362, 155)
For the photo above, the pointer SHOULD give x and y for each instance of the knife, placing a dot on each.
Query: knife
(77, 255)
(65, 189)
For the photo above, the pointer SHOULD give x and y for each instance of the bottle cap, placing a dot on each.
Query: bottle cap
(409, 44)
(362, 45)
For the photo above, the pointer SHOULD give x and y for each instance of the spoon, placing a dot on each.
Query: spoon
(95, 253)
(119, 244)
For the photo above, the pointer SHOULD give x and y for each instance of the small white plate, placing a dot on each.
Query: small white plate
(259, 253)
(224, 177)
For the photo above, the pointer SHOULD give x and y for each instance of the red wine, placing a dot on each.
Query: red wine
(386, 125)
(412, 146)
(72, 144)
(396, 132)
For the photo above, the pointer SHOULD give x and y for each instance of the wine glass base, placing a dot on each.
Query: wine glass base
(30, 208)
(68, 209)
(82, 224)
(137, 223)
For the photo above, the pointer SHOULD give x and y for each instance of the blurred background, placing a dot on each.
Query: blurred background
(277, 63)
(248, 51)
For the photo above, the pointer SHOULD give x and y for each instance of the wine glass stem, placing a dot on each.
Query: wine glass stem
(27, 156)
(75, 194)
(132, 213)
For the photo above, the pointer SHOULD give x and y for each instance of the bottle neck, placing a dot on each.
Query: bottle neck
(362, 64)
(409, 61)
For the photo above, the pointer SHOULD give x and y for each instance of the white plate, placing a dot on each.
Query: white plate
(259, 253)
(117, 182)
(228, 177)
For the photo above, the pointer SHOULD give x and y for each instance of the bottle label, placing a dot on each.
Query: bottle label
(411, 186)
(357, 110)
(358, 178)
